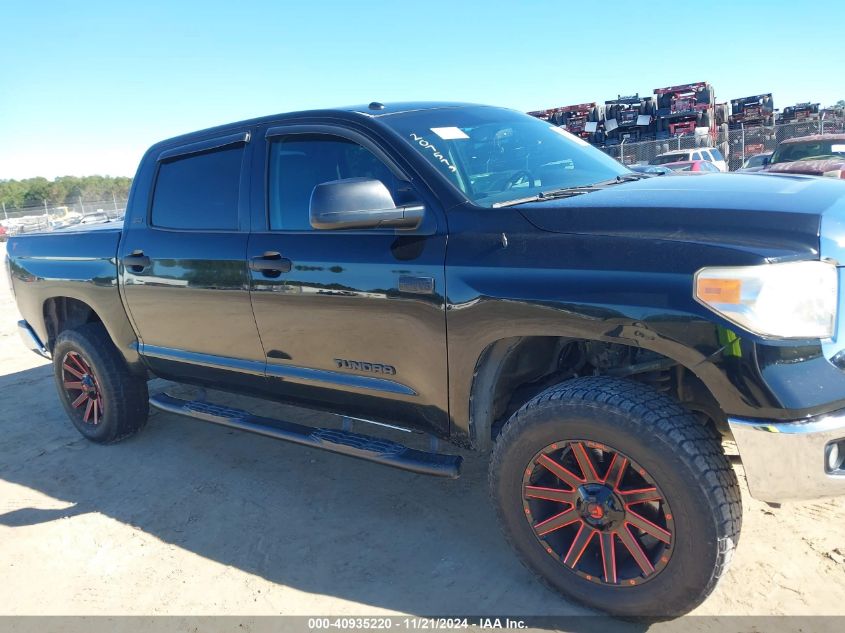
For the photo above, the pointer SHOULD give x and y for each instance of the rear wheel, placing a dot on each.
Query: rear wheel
(103, 399)
(617, 497)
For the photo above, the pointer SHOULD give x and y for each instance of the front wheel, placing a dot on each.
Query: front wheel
(617, 497)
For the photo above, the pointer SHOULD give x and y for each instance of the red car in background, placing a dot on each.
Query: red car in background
(816, 155)
(693, 167)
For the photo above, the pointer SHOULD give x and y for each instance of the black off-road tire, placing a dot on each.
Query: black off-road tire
(124, 395)
(684, 459)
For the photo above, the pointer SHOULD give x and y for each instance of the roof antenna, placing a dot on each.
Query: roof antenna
(375, 105)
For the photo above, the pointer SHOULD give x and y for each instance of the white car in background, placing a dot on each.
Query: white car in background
(95, 217)
(710, 154)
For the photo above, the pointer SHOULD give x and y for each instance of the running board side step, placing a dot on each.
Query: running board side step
(372, 449)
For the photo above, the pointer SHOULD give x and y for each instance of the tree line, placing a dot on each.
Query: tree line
(65, 190)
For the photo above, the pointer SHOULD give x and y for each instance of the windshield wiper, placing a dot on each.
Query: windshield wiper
(631, 177)
(568, 192)
(547, 195)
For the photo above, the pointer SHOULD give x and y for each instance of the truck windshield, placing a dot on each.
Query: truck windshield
(494, 155)
(808, 150)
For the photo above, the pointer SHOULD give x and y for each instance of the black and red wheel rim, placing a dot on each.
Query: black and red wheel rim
(598, 513)
(81, 388)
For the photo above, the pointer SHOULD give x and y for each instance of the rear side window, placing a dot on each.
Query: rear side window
(717, 155)
(198, 191)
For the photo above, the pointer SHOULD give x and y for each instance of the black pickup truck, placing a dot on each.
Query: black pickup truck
(485, 277)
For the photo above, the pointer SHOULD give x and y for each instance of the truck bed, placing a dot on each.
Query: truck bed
(51, 271)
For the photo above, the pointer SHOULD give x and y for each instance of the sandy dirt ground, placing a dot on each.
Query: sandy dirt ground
(190, 518)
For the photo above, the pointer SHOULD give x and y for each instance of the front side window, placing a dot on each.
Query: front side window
(493, 155)
(300, 162)
(198, 191)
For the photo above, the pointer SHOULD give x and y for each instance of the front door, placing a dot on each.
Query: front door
(352, 321)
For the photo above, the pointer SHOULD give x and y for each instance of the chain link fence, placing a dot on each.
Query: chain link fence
(735, 144)
(47, 217)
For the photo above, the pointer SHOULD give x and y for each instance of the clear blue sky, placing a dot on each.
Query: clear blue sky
(87, 85)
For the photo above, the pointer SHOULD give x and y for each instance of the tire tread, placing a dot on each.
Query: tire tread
(662, 418)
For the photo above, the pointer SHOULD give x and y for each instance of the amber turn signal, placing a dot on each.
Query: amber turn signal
(718, 290)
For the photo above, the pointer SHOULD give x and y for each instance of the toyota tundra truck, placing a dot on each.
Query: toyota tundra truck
(484, 277)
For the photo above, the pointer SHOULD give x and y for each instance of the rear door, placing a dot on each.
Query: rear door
(352, 321)
(183, 265)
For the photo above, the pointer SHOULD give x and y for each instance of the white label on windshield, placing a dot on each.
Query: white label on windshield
(837, 148)
(449, 133)
(571, 137)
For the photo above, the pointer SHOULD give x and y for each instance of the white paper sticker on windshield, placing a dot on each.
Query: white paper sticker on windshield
(449, 133)
(571, 137)
(836, 148)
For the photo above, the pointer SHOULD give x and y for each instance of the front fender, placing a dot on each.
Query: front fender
(550, 285)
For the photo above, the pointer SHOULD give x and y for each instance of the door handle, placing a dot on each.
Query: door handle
(270, 263)
(137, 261)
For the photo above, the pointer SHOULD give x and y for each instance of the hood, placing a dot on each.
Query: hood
(810, 167)
(774, 217)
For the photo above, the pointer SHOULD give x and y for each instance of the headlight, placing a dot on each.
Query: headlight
(789, 300)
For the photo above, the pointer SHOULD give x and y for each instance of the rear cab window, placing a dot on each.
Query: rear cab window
(671, 158)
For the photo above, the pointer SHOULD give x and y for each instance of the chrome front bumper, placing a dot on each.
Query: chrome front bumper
(786, 461)
(31, 340)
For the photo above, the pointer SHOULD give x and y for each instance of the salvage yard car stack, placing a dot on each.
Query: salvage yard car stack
(630, 119)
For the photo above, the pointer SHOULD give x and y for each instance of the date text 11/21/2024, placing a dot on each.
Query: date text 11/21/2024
(409, 623)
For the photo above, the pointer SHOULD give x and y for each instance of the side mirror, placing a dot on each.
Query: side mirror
(766, 160)
(359, 203)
